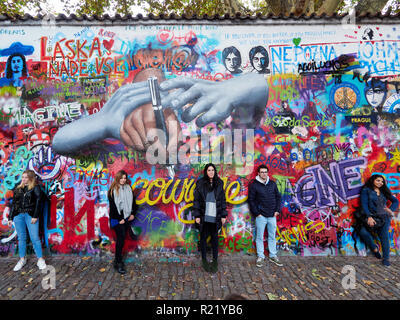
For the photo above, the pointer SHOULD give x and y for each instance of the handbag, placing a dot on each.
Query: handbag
(379, 221)
(360, 216)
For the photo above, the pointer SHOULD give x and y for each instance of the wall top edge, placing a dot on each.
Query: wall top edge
(238, 19)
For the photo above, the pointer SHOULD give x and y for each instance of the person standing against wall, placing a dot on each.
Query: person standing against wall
(25, 214)
(265, 202)
(376, 215)
(122, 212)
(209, 211)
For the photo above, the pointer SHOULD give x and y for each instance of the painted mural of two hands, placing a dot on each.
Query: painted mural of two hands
(129, 117)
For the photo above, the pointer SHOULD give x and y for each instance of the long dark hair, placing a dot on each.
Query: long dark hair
(9, 71)
(384, 189)
(207, 179)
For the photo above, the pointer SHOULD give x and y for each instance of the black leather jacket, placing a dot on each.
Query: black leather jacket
(26, 201)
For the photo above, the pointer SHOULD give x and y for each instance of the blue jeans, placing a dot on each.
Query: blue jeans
(383, 234)
(270, 223)
(22, 221)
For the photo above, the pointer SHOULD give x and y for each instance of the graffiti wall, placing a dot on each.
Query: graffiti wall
(319, 104)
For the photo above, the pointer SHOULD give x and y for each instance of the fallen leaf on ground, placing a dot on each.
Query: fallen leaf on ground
(271, 296)
(85, 258)
(102, 269)
(368, 282)
(30, 280)
(282, 298)
(309, 290)
(314, 284)
(315, 274)
(9, 289)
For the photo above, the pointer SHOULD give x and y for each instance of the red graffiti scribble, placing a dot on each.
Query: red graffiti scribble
(71, 221)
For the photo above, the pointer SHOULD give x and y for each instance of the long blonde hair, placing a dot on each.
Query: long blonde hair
(32, 179)
(115, 184)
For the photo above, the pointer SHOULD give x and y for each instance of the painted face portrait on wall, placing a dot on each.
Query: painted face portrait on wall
(232, 60)
(259, 59)
(368, 34)
(16, 64)
(375, 93)
(16, 69)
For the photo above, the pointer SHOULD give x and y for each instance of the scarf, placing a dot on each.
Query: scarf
(124, 200)
(259, 180)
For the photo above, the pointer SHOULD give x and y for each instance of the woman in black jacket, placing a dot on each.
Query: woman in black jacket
(122, 212)
(25, 214)
(209, 211)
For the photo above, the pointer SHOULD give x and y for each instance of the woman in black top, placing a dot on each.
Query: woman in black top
(25, 214)
(209, 210)
(122, 212)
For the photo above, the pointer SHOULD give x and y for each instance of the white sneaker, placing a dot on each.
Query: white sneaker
(41, 264)
(276, 261)
(20, 264)
(260, 262)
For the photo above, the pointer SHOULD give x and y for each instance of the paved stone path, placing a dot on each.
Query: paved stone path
(159, 276)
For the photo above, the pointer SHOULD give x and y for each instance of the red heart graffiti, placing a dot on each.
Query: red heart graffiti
(164, 37)
(108, 44)
(359, 27)
(377, 28)
(355, 31)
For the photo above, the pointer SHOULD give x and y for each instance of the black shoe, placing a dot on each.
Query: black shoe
(386, 263)
(377, 255)
(120, 268)
(214, 266)
(206, 265)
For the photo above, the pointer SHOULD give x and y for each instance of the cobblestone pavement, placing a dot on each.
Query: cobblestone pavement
(160, 276)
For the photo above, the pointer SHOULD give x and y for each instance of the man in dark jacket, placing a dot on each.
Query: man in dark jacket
(265, 201)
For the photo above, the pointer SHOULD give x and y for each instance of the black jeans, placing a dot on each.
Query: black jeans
(121, 230)
(209, 229)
